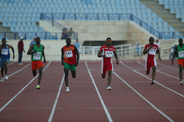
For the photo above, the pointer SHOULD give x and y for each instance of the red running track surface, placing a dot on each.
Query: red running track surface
(131, 99)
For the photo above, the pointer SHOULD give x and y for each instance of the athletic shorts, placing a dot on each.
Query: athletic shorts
(181, 62)
(36, 64)
(3, 61)
(106, 67)
(69, 66)
(150, 63)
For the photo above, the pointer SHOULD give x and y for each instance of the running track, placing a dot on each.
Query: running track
(132, 97)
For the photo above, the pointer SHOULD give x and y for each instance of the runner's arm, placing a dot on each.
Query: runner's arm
(158, 50)
(62, 56)
(30, 50)
(116, 57)
(147, 50)
(100, 54)
(174, 54)
(77, 53)
(43, 54)
(12, 50)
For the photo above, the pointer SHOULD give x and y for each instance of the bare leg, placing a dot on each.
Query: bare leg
(180, 72)
(147, 72)
(6, 67)
(73, 74)
(40, 69)
(103, 76)
(153, 72)
(109, 78)
(2, 71)
(34, 72)
(66, 76)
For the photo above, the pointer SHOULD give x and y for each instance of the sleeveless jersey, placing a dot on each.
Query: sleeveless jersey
(180, 52)
(38, 55)
(69, 54)
(108, 52)
(152, 51)
(5, 53)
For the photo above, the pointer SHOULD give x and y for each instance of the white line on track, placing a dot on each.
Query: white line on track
(167, 117)
(151, 79)
(101, 100)
(18, 71)
(168, 66)
(162, 72)
(22, 89)
(56, 100)
(11, 63)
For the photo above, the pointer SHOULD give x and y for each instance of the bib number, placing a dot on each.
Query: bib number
(152, 51)
(37, 56)
(69, 54)
(181, 54)
(4, 51)
(108, 53)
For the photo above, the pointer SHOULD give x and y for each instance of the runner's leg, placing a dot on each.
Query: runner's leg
(66, 76)
(40, 69)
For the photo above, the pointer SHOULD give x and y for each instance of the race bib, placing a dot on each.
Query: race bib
(4, 51)
(181, 54)
(108, 53)
(152, 51)
(69, 54)
(37, 56)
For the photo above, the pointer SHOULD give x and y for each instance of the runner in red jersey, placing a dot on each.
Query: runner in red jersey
(106, 52)
(150, 62)
(69, 60)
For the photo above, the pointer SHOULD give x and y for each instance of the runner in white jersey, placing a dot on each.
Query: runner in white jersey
(150, 62)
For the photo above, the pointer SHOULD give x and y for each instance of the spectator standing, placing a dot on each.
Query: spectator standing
(172, 49)
(77, 44)
(20, 50)
(33, 42)
(70, 33)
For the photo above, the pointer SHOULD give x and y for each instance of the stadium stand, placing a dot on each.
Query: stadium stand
(22, 16)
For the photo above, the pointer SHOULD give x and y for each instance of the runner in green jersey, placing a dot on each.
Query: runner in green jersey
(180, 50)
(37, 51)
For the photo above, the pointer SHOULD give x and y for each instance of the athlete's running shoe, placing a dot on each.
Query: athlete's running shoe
(181, 83)
(2, 79)
(6, 77)
(109, 88)
(152, 82)
(67, 89)
(38, 87)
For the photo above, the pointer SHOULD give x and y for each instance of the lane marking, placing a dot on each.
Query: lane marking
(151, 79)
(168, 66)
(167, 117)
(22, 89)
(56, 100)
(163, 72)
(101, 100)
(17, 71)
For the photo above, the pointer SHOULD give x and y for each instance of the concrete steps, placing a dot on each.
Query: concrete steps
(164, 14)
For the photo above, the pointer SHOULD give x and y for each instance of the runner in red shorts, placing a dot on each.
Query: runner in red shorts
(150, 62)
(107, 51)
(37, 51)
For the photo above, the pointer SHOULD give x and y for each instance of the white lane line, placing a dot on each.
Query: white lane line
(168, 66)
(18, 71)
(168, 75)
(151, 79)
(162, 72)
(11, 63)
(167, 117)
(22, 89)
(56, 100)
(101, 100)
